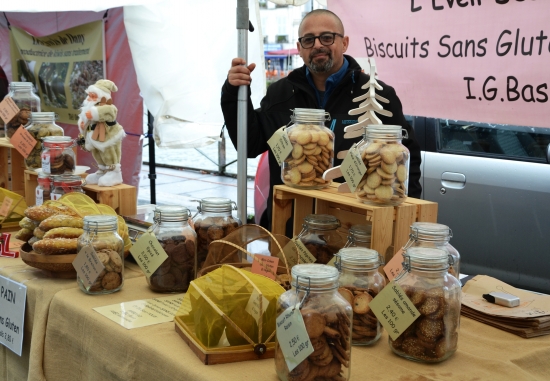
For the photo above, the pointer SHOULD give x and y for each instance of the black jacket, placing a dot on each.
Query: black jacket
(294, 91)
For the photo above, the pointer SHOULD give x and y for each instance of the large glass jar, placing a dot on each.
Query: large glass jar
(66, 184)
(312, 150)
(43, 189)
(327, 317)
(179, 241)
(58, 157)
(42, 125)
(214, 221)
(359, 236)
(387, 161)
(320, 237)
(433, 337)
(360, 282)
(101, 232)
(27, 101)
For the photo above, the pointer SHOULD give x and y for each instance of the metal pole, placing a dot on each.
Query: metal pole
(242, 123)
(152, 164)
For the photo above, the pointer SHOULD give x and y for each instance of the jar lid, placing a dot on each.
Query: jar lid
(67, 180)
(430, 231)
(21, 85)
(322, 221)
(315, 275)
(309, 115)
(359, 258)
(61, 140)
(47, 116)
(360, 233)
(100, 222)
(171, 213)
(426, 258)
(383, 131)
(216, 205)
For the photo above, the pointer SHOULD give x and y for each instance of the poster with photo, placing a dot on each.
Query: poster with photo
(61, 66)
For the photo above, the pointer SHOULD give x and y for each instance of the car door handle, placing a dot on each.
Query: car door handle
(453, 180)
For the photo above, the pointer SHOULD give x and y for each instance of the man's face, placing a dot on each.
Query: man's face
(92, 97)
(323, 59)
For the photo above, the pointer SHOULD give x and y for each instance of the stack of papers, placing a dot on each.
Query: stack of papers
(531, 318)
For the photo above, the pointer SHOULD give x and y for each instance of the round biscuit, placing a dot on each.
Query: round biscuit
(384, 192)
(373, 180)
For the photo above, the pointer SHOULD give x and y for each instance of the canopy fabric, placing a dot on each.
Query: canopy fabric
(66, 6)
(282, 52)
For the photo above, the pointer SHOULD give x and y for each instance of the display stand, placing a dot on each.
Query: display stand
(390, 224)
(14, 170)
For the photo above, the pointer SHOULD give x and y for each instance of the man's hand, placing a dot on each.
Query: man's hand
(239, 74)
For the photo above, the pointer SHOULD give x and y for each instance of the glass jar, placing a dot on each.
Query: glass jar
(433, 336)
(387, 161)
(27, 101)
(213, 221)
(101, 232)
(359, 236)
(58, 157)
(429, 234)
(66, 184)
(327, 317)
(43, 189)
(360, 282)
(312, 150)
(320, 237)
(179, 241)
(42, 125)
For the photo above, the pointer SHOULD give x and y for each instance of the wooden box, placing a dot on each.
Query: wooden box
(12, 165)
(390, 224)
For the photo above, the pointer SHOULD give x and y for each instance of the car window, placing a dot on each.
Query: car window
(493, 140)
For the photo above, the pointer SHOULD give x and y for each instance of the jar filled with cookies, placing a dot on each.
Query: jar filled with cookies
(179, 241)
(26, 100)
(43, 189)
(312, 150)
(327, 318)
(58, 157)
(360, 282)
(359, 236)
(387, 161)
(42, 125)
(433, 336)
(214, 220)
(101, 234)
(430, 234)
(320, 236)
(66, 184)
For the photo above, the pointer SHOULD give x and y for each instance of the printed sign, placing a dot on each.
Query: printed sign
(280, 145)
(13, 296)
(148, 253)
(23, 141)
(265, 265)
(8, 109)
(88, 266)
(353, 168)
(293, 338)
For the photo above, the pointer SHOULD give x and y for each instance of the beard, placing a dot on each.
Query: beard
(86, 106)
(321, 67)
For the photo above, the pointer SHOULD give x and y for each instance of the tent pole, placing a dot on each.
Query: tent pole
(242, 27)
(152, 163)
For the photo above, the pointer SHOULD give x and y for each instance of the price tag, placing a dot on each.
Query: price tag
(265, 265)
(280, 145)
(332, 261)
(291, 254)
(39, 197)
(253, 306)
(293, 338)
(353, 168)
(46, 168)
(6, 206)
(394, 310)
(148, 253)
(23, 141)
(13, 296)
(395, 265)
(303, 253)
(8, 109)
(88, 266)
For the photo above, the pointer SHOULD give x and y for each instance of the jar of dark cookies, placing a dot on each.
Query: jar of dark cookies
(312, 150)
(359, 236)
(214, 220)
(360, 282)
(101, 233)
(327, 318)
(320, 236)
(430, 234)
(179, 241)
(66, 184)
(43, 189)
(42, 125)
(58, 157)
(387, 161)
(433, 337)
(27, 101)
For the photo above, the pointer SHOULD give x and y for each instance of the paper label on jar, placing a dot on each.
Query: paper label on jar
(148, 253)
(394, 310)
(39, 196)
(280, 145)
(23, 141)
(293, 338)
(46, 163)
(8, 109)
(55, 196)
(253, 306)
(395, 265)
(88, 266)
(265, 265)
(303, 253)
(290, 253)
(353, 168)
(6, 206)
(332, 261)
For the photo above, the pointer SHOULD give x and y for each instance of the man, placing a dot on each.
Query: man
(328, 80)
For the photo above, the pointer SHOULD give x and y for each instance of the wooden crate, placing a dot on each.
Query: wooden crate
(390, 224)
(14, 170)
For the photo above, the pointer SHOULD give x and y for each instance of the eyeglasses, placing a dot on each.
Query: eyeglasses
(326, 39)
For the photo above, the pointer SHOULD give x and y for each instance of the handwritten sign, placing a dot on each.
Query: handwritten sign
(395, 265)
(280, 145)
(353, 168)
(304, 254)
(6, 206)
(265, 265)
(253, 305)
(293, 338)
(13, 296)
(88, 266)
(290, 253)
(148, 253)
(8, 109)
(23, 141)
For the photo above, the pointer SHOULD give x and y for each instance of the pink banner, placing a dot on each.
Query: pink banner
(472, 60)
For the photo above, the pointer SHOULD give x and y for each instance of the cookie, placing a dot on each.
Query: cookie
(361, 303)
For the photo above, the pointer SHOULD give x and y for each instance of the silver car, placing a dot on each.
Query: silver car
(492, 185)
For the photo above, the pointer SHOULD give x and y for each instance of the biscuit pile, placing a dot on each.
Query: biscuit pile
(434, 335)
(39, 131)
(178, 269)
(387, 173)
(366, 327)
(211, 229)
(312, 154)
(61, 163)
(111, 277)
(321, 250)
